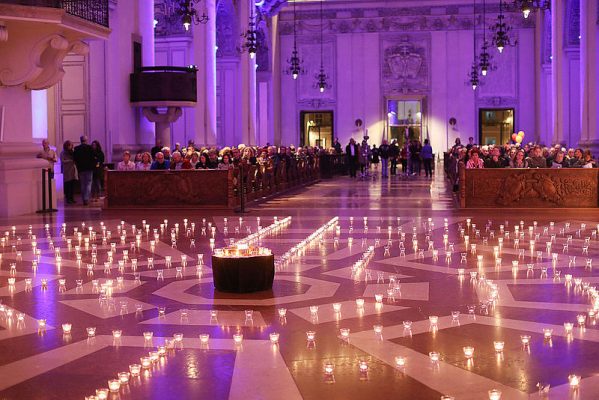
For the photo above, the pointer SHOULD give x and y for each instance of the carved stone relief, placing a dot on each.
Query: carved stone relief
(227, 29)
(405, 65)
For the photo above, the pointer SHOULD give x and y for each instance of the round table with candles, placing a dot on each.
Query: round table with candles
(243, 269)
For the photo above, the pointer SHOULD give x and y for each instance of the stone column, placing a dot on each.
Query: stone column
(558, 15)
(204, 56)
(145, 11)
(538, 60)
(163, 121)
(247, 71)
(588, 75)
(277, 75)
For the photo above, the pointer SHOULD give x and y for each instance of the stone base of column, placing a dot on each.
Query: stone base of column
(20, 179)
(592, 145)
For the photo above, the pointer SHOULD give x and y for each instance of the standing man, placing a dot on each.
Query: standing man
(384, 155)
(337, 146)
(86, 163)
(352, 153)
(156, 148)
(393, 154)
(427, 158)
(49, 155)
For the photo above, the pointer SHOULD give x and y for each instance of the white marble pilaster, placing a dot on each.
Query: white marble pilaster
(558, 14)
(588, 74)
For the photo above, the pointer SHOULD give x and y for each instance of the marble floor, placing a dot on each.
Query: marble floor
(395, 292)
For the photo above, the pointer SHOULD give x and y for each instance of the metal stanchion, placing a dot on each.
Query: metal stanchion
(48, 182)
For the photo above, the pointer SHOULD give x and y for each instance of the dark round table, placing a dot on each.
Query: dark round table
(243, 274)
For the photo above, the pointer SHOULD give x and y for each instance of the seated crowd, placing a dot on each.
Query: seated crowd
(189, 158)
(516, 156)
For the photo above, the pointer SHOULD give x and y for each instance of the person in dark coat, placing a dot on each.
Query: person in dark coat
(352, 152)
(86, 163)
(393, 156)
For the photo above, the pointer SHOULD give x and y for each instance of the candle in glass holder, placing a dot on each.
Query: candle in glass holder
(434, 356)
(363, 365)
(455, 315)
(102, 394)
(204, 338)
(400, 361)
(313, 309)
(274, 338)
(117, 333)
(213, 313)
(66, 328)
(568, 326)
(282, 312)
(574, 381)
(547, 333)
(123, 377)
(407, 324)
(344, 332)
(134, 369)
(91, 331)
(360, 302)
(310, 335)
(146, 362)
(581, 318)
(337, 307)
(378, 298)
(525, 339)
(328, 368)
(178, 337)
(494, 394)
(498, 345)
(114, 385)
(238, 338)
(433, 319)
(161, 351)
(468, 351)
(378, 329)
(148, 335)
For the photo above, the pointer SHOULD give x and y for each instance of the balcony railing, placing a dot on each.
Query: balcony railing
(95, 11)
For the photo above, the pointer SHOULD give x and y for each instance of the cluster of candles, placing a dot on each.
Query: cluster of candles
(317, 235)
(274, 228)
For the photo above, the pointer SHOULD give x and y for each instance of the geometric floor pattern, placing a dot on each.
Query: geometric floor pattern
(395, 293)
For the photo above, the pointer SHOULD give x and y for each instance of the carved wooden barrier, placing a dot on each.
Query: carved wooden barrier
(163, 189)
(205, 188)
(529, 188)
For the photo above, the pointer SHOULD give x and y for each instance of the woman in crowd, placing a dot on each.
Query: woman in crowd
(69, 171)
(138, 156)
(248, 156)
(588, 160)
(427, 158)
(195, 158)
(203, 163)
(226, 162)
(145, 163)
(375, 156)
(98, 176)
(519, 161)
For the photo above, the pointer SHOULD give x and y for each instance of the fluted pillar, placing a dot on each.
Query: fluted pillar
(247, 70)
(146, 131)
(558, 15)
(588, 75)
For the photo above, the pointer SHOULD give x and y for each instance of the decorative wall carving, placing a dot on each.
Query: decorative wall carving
(309, 48)
(405, 64)
(227, 29)
(438, 18)
(531, 188)
(170, 21)
(262, 48)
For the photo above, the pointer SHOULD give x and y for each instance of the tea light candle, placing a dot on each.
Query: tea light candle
(547, 333)
(378, 298)
(407, 324)
(213, 313)
(568, 326)
(344, 332)
(66, 328)
(116, 333)
(282, 312)
(433, 319)
(498, 345)
(146, 362)
(313, 309)
(134, 369)
(434, 356)
(311, 336)
(204, 338)
(574, 381)
(581, 318)
(178, 337)
(337, 307)
(328, 368)
(148, 335)
(114, 385)
(468, 351)
(123, 377)
(237, 338)
(360, 302)
(102, 394)
(91, 331)
(525, 339)
(378, 329)
(455, 315)
(400, 361)
(494, 394)
(274, 338)
(363, 367)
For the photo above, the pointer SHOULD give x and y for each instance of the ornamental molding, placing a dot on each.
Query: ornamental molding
(394, 20)
(40, 67)
(405, 64)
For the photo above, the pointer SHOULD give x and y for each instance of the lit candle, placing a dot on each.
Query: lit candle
(547, 333)
(148, 335)
(313, 309)
(204, 338)
(400, 361)
(407, 324)
(282, 312)
(114, 385)
(91, 331)
(581, 318)
(574, 381)
(178, 337)
(134, 369)
(344, 332)
(433, 319)
(434, 356)
(337, 307)
(66, 328)
(146, 362)
(360, 302)
(378, 329)
(525, 339)
(238, 338)
(468, 351)
(102, 394)
(124, 377)
(568, 326)
(494, 394)
(328, 368)
(498, 346)
(117, 333)
(363, 367)
(378, 298)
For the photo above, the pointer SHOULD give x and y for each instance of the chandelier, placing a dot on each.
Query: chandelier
(474, 81)
(295, 62)
(484, 56)
(190, 14)
(250, 37)
(501, 30)
(321, 77)
(528, 6)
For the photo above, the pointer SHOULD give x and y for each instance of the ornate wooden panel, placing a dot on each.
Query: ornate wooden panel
(530, 188)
